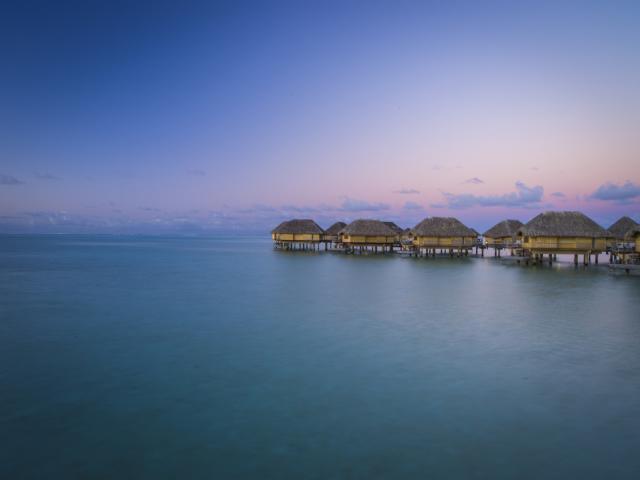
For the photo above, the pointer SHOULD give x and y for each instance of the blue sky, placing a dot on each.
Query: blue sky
(194, 116)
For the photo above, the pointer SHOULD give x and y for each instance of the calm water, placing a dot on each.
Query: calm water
(135, 357)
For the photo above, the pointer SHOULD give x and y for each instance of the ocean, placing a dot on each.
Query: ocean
(220, 358)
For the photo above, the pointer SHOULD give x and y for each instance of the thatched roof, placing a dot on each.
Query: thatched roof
(621, 227)
(298, 227)
(393, 227)
(506, 228)
(442, 227)
(335, 228)
(369, 228)
(632, 233)
(563, 224)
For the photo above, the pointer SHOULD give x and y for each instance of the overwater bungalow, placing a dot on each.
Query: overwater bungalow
(398, 231)
(627, 259)
(444, 233)
(633, 235)
(621, 227)
(563, 232)
(369, 235)
(394, 227)
(618, 245)
(502, 235)
(332, 234)
(406, 237)
(297, 234)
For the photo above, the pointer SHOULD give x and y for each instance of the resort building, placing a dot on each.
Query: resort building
(333, 233)
(444, 233)
(502, 235)
(406, 239)
(634, 236)
(297, 234)
(618, 245)
(394, 227)
(627, 260)
(369, 235)
(398, 231)
(621, 227)
(563, 232)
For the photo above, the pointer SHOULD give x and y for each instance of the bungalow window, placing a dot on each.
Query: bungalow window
(526, 239)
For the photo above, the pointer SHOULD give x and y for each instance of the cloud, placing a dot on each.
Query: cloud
(45, 176)
(51, 218)
(412, 206)
(296, 209)
(558, 195)
(474, 181)
(407, 191)
(196, 172)
(524, 196)
(353, 205)
(9, 180)
(612, 192)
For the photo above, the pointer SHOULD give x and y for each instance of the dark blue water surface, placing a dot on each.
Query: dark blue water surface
(139, 357)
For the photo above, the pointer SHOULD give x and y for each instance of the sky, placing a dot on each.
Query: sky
(197, 117)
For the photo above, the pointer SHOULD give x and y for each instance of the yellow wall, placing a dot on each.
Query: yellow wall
(331, 238)
(368, 239)
(498, 240)
(569, 244)
(290, 237)
(444, 242)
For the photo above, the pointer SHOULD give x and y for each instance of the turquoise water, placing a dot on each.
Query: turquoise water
(135, 357)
